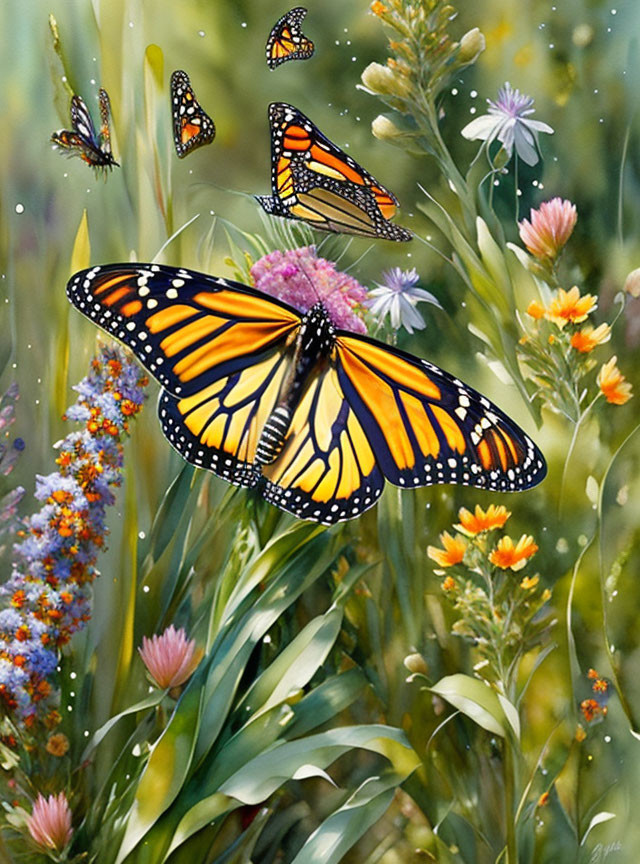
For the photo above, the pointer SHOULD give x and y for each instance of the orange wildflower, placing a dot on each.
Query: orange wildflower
(591, 709)
(57, 744)
(586, 340)
(613, 384)
(543, 800)
(507, 556)
(580, 733)
(482, 520)
(448, 584)
(453, 552)
(569, 306)
(378, 8)
(536, 310)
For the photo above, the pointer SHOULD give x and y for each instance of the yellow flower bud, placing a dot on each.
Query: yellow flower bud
(384, 81)
(385, 129)
(472, 45)
(416, 664)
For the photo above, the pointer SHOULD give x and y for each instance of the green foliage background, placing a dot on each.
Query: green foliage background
(580, 62)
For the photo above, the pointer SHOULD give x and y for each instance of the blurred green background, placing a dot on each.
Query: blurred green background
(579, 59)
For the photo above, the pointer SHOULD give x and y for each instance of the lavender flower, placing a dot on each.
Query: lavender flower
(47, 595)
(398, 297)
(9, 455)
(507, 121)
(300, 278)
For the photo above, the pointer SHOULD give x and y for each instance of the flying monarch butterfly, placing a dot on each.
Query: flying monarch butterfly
(286, 41)
(314, 180)
(192, 126)
(82, 140)
(316, 418)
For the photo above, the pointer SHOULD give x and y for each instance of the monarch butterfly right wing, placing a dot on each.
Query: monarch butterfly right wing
(192, 126)
(427, 427)
(326, 470)
(286, 40)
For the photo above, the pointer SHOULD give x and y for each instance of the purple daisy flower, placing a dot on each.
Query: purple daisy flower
(397, 297)
(508, 122)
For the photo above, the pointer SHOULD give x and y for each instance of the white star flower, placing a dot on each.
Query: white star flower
(398, 297)
(507, 121)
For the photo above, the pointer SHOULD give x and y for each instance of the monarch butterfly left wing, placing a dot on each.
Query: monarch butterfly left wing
(105, 113)
(326, 470)
(312, 179)
(286, 40)
(81, 121)
(220, 349)
(425, 426)
(192, 126)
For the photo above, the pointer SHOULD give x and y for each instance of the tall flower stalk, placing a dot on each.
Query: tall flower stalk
(47, 598)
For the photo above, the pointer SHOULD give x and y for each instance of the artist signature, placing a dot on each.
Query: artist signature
(602, 851)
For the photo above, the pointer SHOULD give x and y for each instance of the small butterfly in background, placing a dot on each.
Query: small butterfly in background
(314, 417)
(82, 140)
(192, 126)
(286, 41)
(313, 180)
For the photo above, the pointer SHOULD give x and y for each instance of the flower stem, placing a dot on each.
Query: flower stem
(572, 445)
(509, 800)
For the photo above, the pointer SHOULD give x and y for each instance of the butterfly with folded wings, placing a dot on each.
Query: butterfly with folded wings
(192, 126)
(315, 418)
(315, 181)
(82, 139)
(286, 40)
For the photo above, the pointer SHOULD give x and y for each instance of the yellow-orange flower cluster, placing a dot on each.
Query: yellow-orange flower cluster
(508, 555)
(481, 520)
(453, 552)
(612, 383)
(587, 339)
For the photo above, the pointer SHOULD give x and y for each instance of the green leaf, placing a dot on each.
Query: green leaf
(476, 700)
(81, 254)
(598, 819)
(165, 771)
(151, 701)
(325, 701)
(342, 829)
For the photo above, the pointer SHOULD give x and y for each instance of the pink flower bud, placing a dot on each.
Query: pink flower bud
(50, 822)
(170, 658)
(549, 229)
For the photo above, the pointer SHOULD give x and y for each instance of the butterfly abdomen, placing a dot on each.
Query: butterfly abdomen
(272, 436)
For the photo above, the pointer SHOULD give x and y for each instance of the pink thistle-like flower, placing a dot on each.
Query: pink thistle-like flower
(50, 822)
(298, 277)
(170, 658)
(550, 227)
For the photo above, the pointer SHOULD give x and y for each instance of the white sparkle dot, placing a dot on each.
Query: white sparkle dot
(454, 92)
(244, 24)
(473, 94)
(73, 676)
(607, 739)
(472, 110)
(131, 24)
(200, 32)
(19, 208)
(145, 589)
(141, 535)
(86, 733)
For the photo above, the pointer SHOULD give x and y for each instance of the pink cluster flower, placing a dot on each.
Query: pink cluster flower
(170, 658)
(549, 228)
(50, 822)
(298, 277)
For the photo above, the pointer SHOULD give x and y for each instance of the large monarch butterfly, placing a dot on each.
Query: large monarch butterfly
(312, 179)
(315, 417)
(82, 139)
(286, 40)
(192, 126)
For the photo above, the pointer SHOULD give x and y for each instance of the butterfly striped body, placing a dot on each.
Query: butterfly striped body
(316, 418)
(192, 126)
(82, 139)
(315, 181)
(286, 41)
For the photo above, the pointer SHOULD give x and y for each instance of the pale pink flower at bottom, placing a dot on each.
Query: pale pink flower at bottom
(170, 658)
(549, 229)
(50, 822)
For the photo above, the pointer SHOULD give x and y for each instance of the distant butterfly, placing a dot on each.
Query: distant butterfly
(192, 126)
(314, 180)
(82, 140)
(286, 41)
(315, 418)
